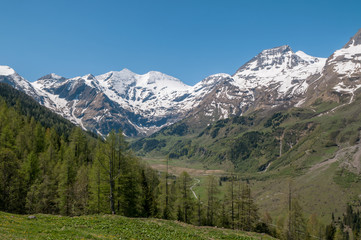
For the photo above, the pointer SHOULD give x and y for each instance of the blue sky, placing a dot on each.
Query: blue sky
(189, 40)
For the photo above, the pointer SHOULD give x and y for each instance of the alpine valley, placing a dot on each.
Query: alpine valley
(282, 118)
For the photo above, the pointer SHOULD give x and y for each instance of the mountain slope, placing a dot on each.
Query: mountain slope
(341, 76)
(275, 78)
(9, 76)
(138, 104)
(27, 106)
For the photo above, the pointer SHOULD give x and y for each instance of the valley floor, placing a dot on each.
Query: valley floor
(13, 226)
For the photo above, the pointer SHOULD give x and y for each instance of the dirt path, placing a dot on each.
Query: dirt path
(197, 181)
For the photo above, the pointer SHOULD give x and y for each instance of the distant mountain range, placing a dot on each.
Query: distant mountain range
(142, 104)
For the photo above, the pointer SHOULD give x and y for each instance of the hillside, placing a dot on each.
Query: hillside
(28, 107)
(14, 226)
(317, 148)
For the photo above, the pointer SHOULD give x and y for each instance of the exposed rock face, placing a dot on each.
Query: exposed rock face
(275, 78)
(142, 104)
(114, 100)
(341, 75)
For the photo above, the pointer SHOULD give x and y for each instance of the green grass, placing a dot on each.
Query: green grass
(14, 226)
(345, 178)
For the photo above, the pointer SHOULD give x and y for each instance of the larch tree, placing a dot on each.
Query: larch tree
(212, 199)
(186, 200)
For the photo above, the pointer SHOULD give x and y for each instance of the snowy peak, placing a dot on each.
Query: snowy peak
(279, 69)
(276, 51)
(52, 76)
(307, 58)
(126, 83)
(347, 60)
(212, 81)
(158, 79)
(355, 40)
(49, 80)
(9, 76)
(277, 59)
(6, 71)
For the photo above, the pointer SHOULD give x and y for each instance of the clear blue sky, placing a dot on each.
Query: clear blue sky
(186, 39)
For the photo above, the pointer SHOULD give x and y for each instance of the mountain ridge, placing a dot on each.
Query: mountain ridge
(143, 104)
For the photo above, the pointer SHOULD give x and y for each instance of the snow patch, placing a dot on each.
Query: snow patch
(6, 71)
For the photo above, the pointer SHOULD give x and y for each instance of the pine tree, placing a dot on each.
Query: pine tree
(112, 162)
(98, 184)
(9, 181)
(130, 188)
(249, 210)
(66, 185)
(167, 209)
(81, 191)
(231, 200)
(186, 200)
(296, 225)
(212, 192)
(149, 184)
(31, 169)
(42, 196)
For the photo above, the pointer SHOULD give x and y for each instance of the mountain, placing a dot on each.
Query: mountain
(9, 76)
(138, 104)
(341, 75)
(29, 107)
(275, 79)
(300, 130)
(143, 104)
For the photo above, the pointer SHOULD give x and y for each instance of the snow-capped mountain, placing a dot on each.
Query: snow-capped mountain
(276, 77)
(142, 104)
(151, 95)
(341, 76)
(139, 104)
(279, 69)
(9, 76)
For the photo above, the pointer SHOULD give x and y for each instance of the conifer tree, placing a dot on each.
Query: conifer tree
(66, 184)
(110, 159)
(296, 224)
(149, 184)
(98, 184)
(167, 209)
(249, 211)
(186, 200)
(212, 200)
(81, 190)
(9, 180)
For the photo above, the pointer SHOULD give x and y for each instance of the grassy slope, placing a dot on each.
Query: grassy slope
(317, 153)
(109, 227)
